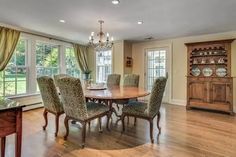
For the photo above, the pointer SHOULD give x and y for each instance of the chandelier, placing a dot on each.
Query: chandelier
(103, 43)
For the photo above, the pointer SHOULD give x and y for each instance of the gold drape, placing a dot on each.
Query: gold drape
(81, 53)
(8, 42)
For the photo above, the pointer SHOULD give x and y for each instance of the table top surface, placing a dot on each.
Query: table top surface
(6, 104)
(116, 93)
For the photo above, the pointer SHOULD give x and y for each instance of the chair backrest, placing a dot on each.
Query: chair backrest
(156, 96)
(113, 80)
(72, 97)
(49, 94)
(131, 80)
(58, 76)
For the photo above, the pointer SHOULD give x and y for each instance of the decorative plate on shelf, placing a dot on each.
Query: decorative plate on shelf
(196, 71)
(207, 72)
(221, 72)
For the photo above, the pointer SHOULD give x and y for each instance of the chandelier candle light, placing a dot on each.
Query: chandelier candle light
(102, 44)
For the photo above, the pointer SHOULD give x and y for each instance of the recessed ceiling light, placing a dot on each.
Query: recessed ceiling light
(62, 21)
(115, 1)
(140, 22)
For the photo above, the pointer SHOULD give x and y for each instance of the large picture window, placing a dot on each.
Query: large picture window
(13, 80)
(34, 57)
(71, 65)
(103, 65)
(47, 59)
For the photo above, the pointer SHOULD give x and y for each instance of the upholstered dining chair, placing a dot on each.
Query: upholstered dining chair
(113, 80)
(150, 110)
(76, 108)
(130, 80)
(58, 76)
(51, 100)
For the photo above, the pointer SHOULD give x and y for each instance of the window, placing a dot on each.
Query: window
(103, 65)
(156, 65)
(71, 65)
(47, 59)
(13, 79)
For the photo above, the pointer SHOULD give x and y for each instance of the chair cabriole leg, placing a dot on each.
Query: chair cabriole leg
(45, 115)
(67, 127)
(83, 133)
(158, 122)
(151, 130)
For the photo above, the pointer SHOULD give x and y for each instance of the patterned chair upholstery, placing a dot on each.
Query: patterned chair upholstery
(51, 100)
(113, 80)
(130, 80)
(76, 108)
(58, 76)
(147, 110)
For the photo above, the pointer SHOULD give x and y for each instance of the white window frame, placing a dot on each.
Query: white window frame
(95, 58)
(27, 72)
(70, 47)
(31, 40)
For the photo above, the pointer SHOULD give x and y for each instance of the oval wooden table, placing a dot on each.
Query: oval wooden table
(114, 93)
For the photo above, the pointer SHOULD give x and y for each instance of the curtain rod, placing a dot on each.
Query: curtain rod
(44, 36)
(36, 34)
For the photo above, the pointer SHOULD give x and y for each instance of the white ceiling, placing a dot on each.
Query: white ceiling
(162, 18)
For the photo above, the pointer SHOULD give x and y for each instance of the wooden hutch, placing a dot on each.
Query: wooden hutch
(209, 81)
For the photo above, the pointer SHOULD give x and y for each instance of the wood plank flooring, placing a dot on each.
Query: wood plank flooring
(191, 133)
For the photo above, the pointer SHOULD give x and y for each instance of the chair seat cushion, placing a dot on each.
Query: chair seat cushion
(121, 101)
(137, 108)
(124, 101)
(94, 109)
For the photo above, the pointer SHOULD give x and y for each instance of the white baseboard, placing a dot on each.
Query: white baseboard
(31, 107)
(178, 102)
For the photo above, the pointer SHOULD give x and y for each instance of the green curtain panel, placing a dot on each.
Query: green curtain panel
(8, 42)
(81, 57)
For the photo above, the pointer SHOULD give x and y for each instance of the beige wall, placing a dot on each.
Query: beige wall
(118, 58)
(127, 53)
(179, 61)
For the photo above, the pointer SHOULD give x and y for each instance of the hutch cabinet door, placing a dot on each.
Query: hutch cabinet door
(221, 93)
(198, 91)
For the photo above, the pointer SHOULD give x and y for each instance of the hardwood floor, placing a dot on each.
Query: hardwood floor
(191, 133)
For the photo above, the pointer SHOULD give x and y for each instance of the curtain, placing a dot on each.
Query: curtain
(8, 42)
(81, 57)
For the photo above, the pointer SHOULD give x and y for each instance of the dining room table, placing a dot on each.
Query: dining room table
(108, 95)
(10, 123)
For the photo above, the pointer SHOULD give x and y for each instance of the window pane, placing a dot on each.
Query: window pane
(103, 65)
(10, 88)
(20, 53)
(156, 62)
(47, 59)
(1, 84)
(10, 73)
(21, 80)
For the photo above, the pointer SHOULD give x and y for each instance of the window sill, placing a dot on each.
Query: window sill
(22, 96)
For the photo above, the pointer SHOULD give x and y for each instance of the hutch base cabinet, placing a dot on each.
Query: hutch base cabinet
(209, 81)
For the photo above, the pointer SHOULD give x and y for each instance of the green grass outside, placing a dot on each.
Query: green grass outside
(10, 87)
